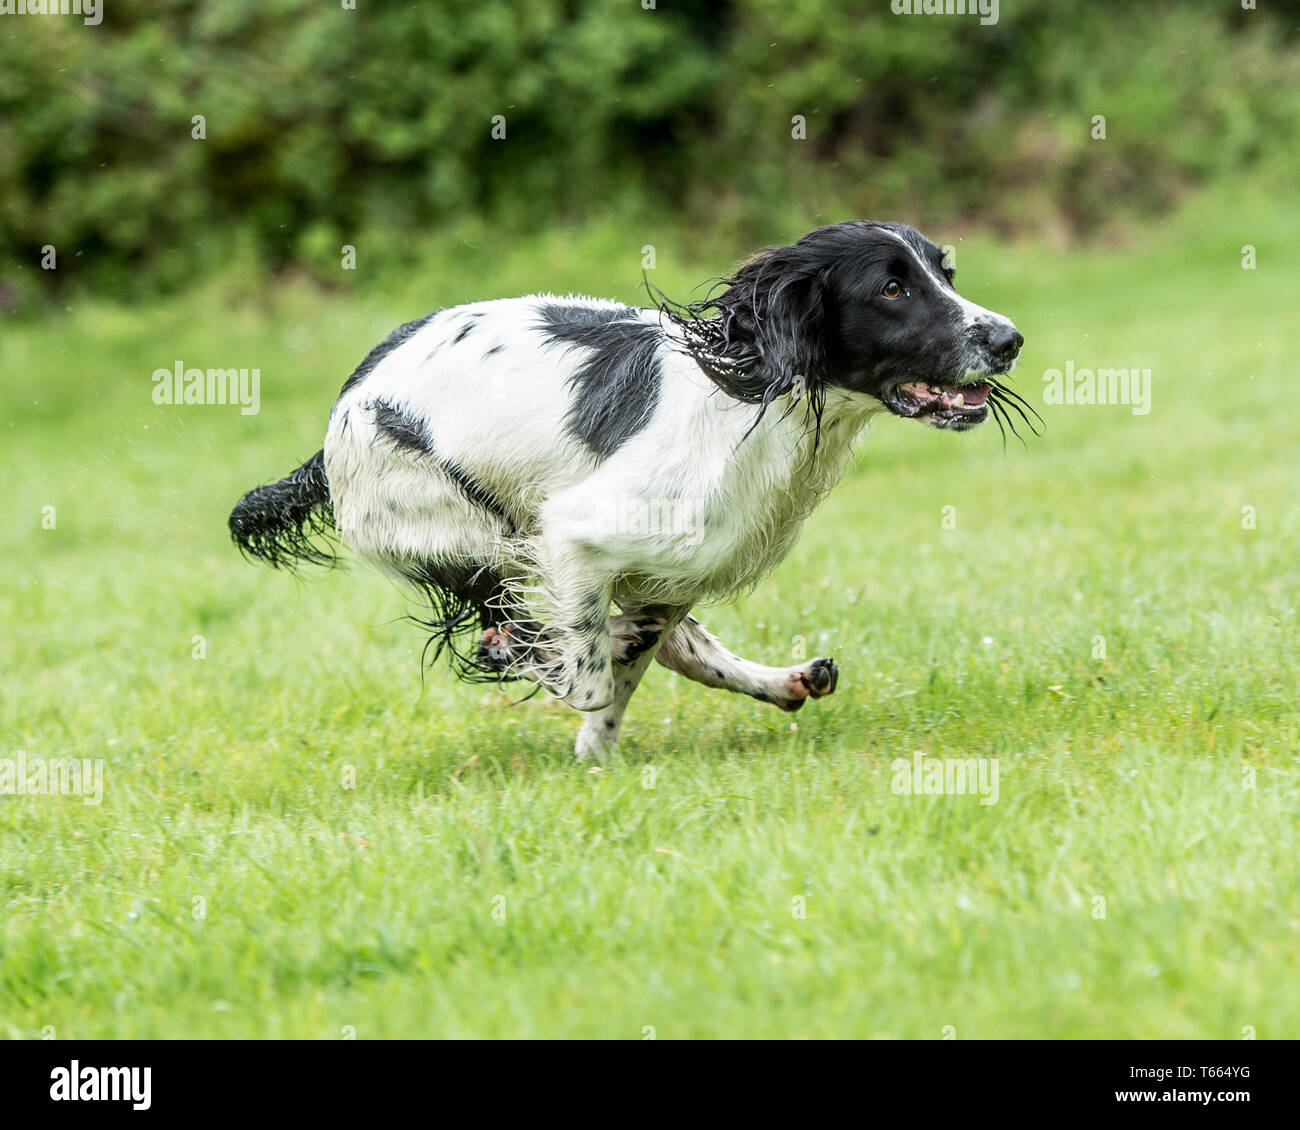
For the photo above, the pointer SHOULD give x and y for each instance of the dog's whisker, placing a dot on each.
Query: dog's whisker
(1002, 408)
(1009, 403)
(1014, 397)
(1005, 424)
(997, 419)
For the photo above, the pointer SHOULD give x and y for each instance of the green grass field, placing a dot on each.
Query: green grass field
(475, 881)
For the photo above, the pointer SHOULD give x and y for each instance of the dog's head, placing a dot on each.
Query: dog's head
(869, 308)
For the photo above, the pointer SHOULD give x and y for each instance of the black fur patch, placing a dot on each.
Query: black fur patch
(478, 494)
(493, 351)
(466, 329)
(616, 387)
(280, 523)
(464, 599)
(403, 428)
(400, 335)
(410, 432)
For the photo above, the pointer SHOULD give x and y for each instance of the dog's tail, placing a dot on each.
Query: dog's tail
(282, 523)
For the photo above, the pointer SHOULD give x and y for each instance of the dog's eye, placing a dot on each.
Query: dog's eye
(892, 289)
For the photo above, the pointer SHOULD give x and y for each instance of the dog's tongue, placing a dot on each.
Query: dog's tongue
(946, 396)
(972, 395)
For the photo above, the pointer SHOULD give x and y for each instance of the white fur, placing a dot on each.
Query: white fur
(736, 503)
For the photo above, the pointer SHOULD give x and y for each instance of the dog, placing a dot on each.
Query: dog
(531, 465)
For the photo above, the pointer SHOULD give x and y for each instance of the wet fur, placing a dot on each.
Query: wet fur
(495, 459)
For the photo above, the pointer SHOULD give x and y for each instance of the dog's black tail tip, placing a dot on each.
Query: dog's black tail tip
(290, 522)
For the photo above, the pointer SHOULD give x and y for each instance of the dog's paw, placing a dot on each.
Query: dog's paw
(821, 677)
(631, 636)
(812, 680)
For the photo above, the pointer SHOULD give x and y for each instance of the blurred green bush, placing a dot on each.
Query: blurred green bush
(324, 124)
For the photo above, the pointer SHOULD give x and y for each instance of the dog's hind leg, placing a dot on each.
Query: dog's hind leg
(691, 651)
(645, 630)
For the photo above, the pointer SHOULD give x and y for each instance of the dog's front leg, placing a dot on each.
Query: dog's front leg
(577, 593)
(691, 651)
(599, 734)
(562, 636)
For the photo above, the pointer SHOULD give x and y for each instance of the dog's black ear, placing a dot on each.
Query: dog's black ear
(762, 332)
(782, 300)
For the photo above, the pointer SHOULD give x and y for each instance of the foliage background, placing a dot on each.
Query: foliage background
(328, 126)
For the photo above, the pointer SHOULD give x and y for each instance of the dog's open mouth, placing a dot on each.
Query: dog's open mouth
(940, 406)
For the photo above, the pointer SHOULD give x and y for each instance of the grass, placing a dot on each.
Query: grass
(473, 881)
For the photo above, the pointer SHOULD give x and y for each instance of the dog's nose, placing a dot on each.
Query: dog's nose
(1005, 342)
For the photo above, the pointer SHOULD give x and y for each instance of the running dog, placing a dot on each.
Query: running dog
(530, 465)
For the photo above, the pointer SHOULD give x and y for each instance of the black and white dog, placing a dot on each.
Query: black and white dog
(527, 463)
